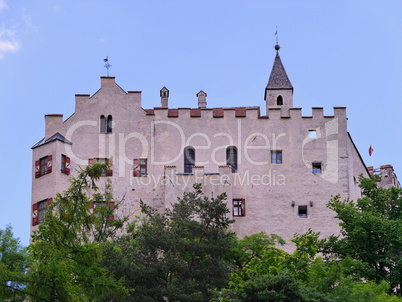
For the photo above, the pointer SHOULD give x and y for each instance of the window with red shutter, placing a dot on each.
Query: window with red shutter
(108, 172)
(39, 210)
(43, 166)
(65, 164)
(239, 207)
(140, 167)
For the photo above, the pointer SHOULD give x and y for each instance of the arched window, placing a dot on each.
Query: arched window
(109, 124)
(102, 124)
(231, 158)
(189, 159)
(279, 100)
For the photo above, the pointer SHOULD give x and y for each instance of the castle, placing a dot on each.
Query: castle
(278, 170)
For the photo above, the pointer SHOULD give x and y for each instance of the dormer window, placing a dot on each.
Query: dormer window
(279, 101)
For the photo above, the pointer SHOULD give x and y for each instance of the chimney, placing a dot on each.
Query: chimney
(164, 93)
(202, 99)
(54, 124)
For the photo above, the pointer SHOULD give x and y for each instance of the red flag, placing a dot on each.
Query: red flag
(371, 150)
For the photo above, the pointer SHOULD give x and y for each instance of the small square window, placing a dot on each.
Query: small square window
(276, 157)
(239, 207)
(302, 211)
(312, 134)
(316, 168)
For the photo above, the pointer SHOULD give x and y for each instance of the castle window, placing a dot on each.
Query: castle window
(302, 211)
(279, 101)
(92, 161)
(231, 158)
(102, 208)
(102, 124)
(140, 167)
(312, 134)
(316, 168)
(109, 124)
(189, 160)
(276, 157)
(239, 207)
(65, 164)
(43, 166)
(39, 211)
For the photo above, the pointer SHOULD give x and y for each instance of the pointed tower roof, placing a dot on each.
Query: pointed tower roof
(278, 78)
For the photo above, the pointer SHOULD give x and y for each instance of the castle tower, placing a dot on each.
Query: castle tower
(279, 90)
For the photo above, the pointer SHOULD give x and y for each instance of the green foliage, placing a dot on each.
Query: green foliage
(371, 231)
(66, 250)
(12, 266)
(178, 255)
(274, 275)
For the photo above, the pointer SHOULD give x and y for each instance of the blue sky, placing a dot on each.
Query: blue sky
(336, 53)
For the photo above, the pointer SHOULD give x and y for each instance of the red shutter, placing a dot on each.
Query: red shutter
(49, 164)
(37, 169)
(110, 163)
(90, 161)
(67, 166)
(243, 207)
(49, 201)
(111, 205)
(91, 205)
(34, 207)
(35, 221)
(136, 170)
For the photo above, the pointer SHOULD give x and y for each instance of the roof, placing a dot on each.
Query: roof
(54, 137)
(278, 78)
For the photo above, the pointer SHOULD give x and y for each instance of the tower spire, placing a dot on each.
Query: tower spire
(279, 89)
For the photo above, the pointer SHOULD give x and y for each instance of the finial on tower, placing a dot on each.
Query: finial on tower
(277, 47)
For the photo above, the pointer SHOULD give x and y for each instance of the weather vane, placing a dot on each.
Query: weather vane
(107, 65)
(276, 35)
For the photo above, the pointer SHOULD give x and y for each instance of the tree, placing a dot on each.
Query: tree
(371, 232)
(179, 255)
(12, 266)
(66, 250)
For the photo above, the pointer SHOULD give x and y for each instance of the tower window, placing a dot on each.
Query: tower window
(39, 210)
(231, 158)
(279, 101)
(302, 211)
(316, 168)
(65, 164)
(312, 134)
(189, 160)
(43, 166)
(276, 157)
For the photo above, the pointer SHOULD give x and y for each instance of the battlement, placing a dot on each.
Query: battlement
(242, 112)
